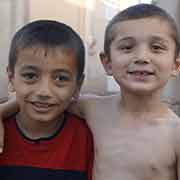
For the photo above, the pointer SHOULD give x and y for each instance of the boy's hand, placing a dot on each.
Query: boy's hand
(7, 109)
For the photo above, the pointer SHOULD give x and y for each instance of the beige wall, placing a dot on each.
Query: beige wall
(69, 12)
(12, 16)
(5, 32)
(172, 90)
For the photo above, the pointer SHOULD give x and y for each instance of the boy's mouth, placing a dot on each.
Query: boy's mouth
(141, 72)
(42, 107)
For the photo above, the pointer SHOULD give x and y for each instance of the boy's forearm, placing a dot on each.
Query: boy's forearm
(81, 106)
(3, 99)
(9, 107)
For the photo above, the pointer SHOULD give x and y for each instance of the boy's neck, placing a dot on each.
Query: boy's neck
(143, 105)
(36, 130)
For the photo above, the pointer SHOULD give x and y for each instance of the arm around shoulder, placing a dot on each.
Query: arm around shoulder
(9, 107)
(81, 106)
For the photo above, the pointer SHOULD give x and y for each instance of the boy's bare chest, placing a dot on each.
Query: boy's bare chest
(146, 152)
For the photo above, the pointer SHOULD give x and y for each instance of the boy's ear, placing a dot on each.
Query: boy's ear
(77, 91)
(106, 62)
(10, 78)
(176, 69)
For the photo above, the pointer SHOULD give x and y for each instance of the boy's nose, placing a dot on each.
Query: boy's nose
(44, 88)
(141, 60)
(142, 56)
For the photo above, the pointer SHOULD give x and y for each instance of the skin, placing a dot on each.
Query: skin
(136, 136)
(44, 86)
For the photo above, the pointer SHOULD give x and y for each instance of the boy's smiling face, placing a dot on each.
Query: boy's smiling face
(45, 81)
(142, 55)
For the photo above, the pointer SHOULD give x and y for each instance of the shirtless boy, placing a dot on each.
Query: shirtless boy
(137, 137)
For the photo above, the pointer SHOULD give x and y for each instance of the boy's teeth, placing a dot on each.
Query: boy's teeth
(141, 73)
(42, 105)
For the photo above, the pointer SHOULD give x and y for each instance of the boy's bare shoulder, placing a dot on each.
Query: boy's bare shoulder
(91, 104)
(98, 107)
(93, 99)
(173, 121)
(174, 124)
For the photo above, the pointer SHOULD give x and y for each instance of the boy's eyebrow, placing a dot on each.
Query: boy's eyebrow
(29, 67)
(159, 39)
(125, 38)
(34, 68)
(62, 71)
(153, 38)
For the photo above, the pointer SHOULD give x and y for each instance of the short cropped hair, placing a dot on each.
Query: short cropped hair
(137, 12)
(47, 34)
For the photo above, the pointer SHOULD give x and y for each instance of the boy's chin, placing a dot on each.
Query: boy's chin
(143, 91)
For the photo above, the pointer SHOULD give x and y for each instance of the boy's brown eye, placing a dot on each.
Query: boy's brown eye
(29, 76)
(125, 48)
(61, 78)
(158, 47)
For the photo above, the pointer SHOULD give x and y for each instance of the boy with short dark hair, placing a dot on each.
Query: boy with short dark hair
(137, 137)
(44, 141)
